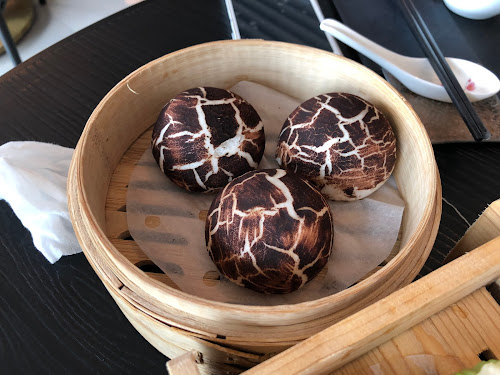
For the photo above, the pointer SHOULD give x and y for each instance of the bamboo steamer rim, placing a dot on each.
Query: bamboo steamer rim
(172, 296)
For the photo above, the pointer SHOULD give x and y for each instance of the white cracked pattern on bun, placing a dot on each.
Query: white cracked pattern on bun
(269, 230)
(205, 137)
(340, 142)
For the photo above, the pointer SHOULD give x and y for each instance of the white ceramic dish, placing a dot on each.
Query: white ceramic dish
(474, 9)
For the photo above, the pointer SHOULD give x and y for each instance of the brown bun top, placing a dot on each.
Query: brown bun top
(341, 142)
(206, 136)
(270, 231)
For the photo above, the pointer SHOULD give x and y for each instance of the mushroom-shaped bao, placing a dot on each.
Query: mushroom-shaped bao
(205, 136)
(340, 142)
(269, 230)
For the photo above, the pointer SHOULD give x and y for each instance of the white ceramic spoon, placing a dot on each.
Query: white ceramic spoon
(417, 74)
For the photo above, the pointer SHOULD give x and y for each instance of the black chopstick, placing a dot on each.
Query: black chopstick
(444, 72)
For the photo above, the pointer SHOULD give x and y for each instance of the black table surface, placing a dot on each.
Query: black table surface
(59, 319)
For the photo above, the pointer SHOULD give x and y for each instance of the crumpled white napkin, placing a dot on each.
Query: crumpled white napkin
(33, 177)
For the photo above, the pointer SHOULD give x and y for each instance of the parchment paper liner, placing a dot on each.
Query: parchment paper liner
(168, 223)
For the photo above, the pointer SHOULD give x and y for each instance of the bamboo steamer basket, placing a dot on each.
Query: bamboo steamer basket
(232, 337)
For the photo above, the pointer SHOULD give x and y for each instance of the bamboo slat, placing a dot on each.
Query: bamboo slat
(463, 321)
